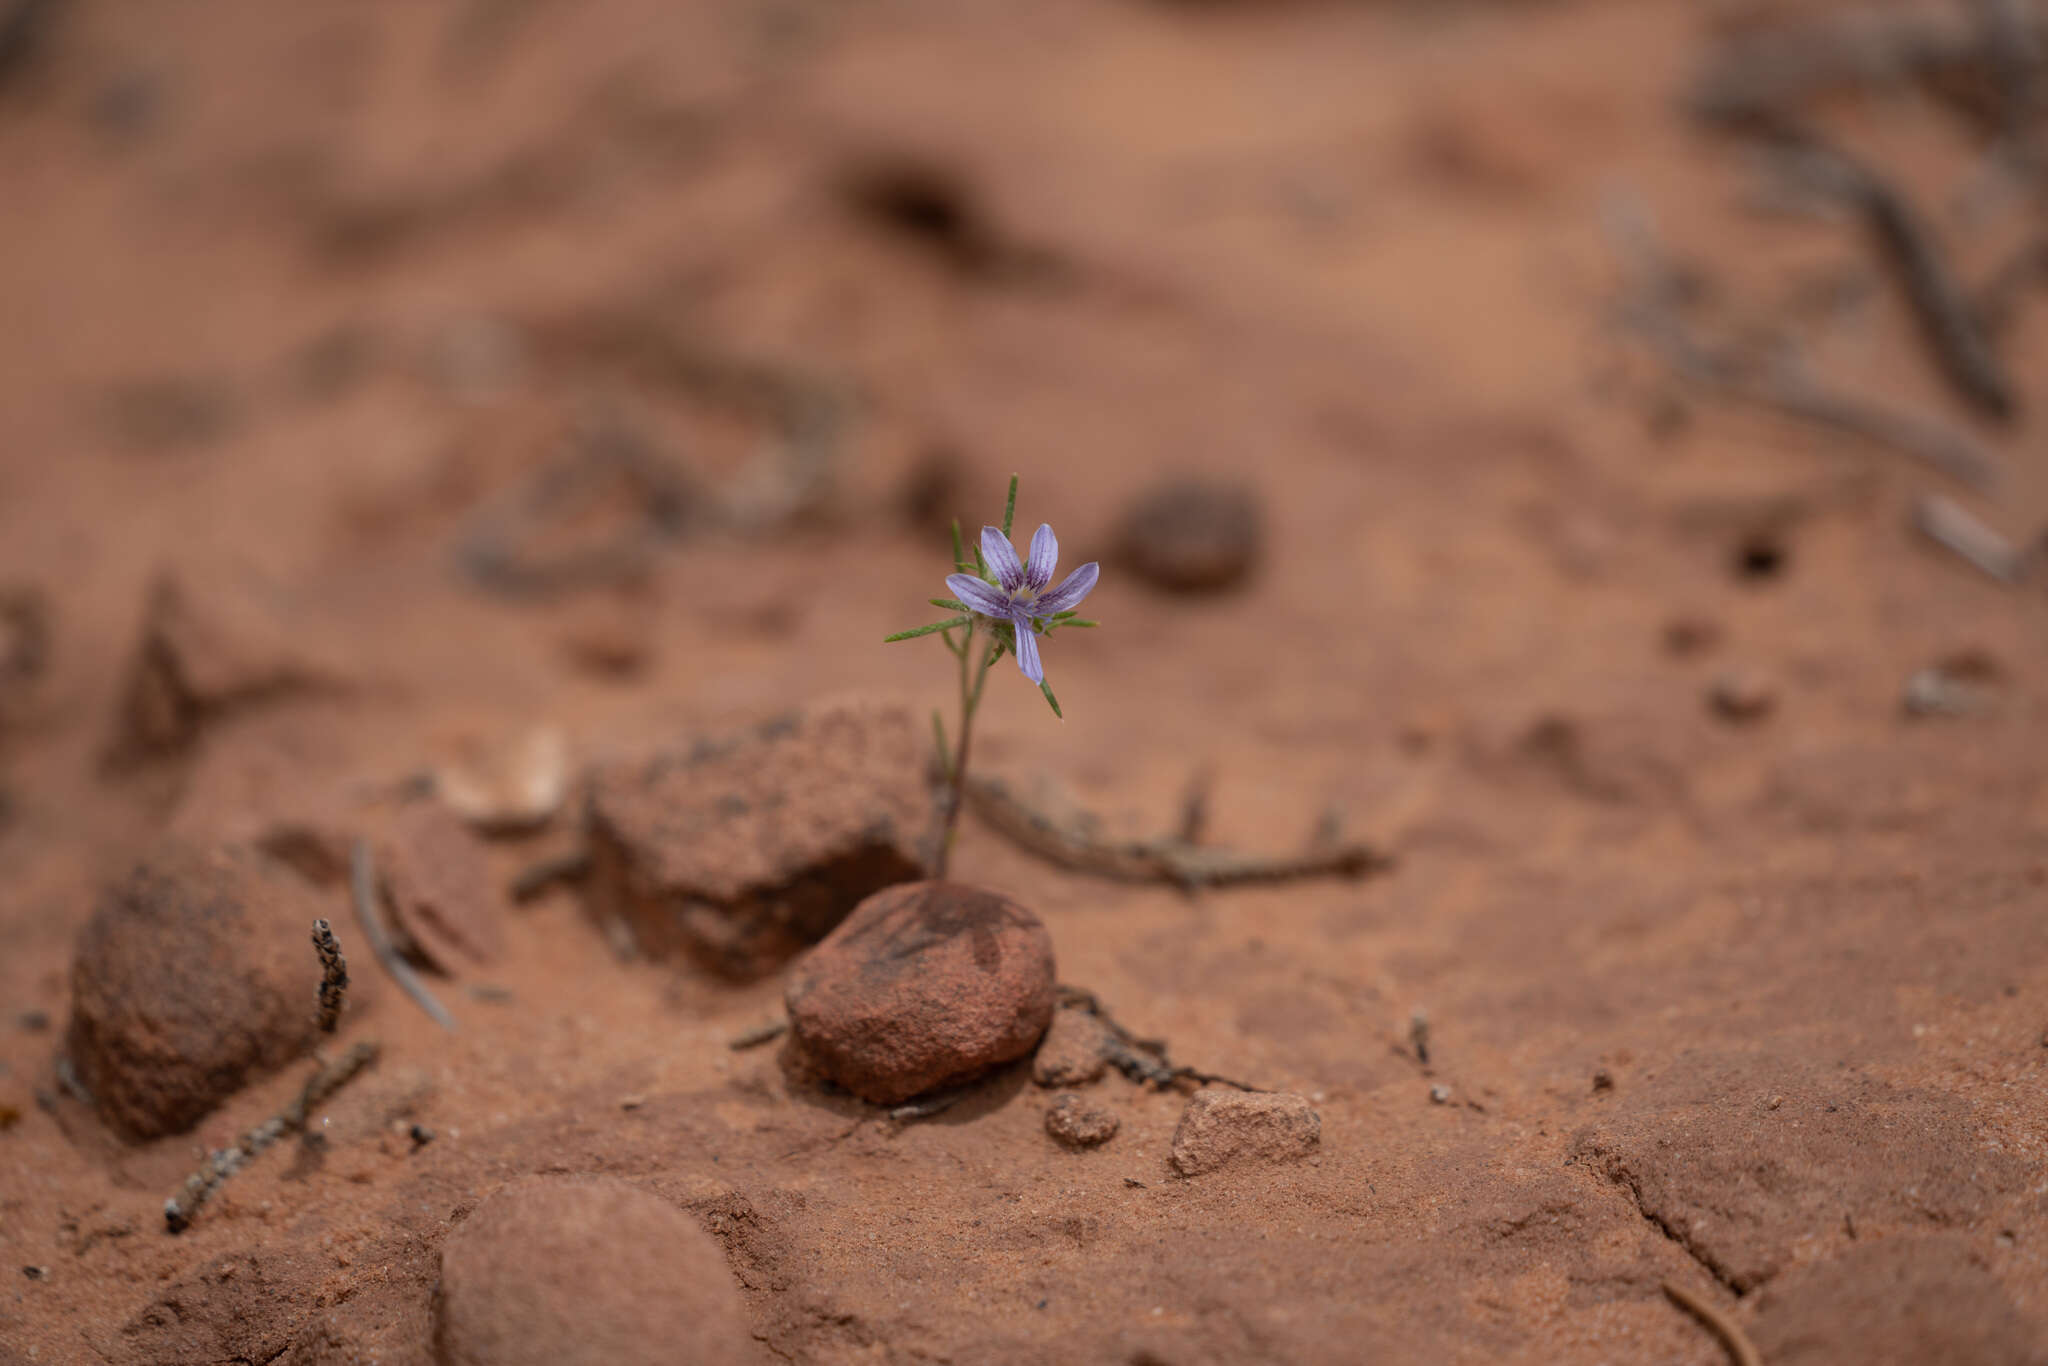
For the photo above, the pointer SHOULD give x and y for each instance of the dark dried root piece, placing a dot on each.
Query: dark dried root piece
(1144, 1061)
(182, 1208)
(758, 1035)
(1947, 317)
(333, 977)
(1172, 860)
(1719, 1324)
(1653, 309)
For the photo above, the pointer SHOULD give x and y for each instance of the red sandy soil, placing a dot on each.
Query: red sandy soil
(288, 292)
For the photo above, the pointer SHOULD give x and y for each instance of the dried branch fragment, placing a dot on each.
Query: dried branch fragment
(333, 977)
(1950, 324)
(1142, 1060)
(1764, 75)
(1652, 307)
(1955, 528)
(1171, 860)
(363, 884)
(1719, 1324)
(182, 1208)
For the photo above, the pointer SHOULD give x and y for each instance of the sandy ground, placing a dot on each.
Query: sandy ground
(292, 293)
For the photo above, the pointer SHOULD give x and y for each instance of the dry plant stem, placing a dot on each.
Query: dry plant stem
(199, 1187)
(1171, 860)
(333, 977)
(363, 883)
(1719, 1324)
(1653, 310)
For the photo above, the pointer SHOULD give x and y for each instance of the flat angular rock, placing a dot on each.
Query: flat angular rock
(748, 847)
(439, 882)
(1738, 1180)
(194, 977)
(924, 985)
(206, 650)
(585, 1271)
(1901, 1301)
(1222, 1129)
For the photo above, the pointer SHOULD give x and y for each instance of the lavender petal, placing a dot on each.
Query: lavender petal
(1045, 553)
(978, 596)
(1069, 594)
(1002, 558)
(1027, 653)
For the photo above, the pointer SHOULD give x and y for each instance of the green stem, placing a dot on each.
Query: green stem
(970, 701)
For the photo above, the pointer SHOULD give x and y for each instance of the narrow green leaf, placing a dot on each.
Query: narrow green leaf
(959, 550)
(925, 630)
(1077, 621)
(950, 605)
(1052, 701)
(1010, 506)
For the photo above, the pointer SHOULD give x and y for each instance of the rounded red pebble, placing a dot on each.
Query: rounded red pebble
(922, 985)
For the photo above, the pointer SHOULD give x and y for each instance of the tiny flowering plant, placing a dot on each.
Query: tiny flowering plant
(1004, 605)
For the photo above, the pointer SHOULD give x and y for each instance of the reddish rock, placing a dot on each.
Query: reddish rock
(439, 883)
(585, 1271)
(1238, 1128)
(1073, 1052)
(746, 848)
(193, 978)
(1739, 1182)
(923, 985)
(1902, 1301)
(1191, 536)
(205, 652)
(1075, 1123)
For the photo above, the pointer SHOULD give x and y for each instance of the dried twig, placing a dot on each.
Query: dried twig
(333, 977)
(1171, 860)
(1142, 1060)
(1418, 1034)
(199, 1187)
(1762, 76)
(1955, 528)
(1719, 1324)
(363, 884)
(758, 1035)
(1947, 319)
(1653, 308)
(1194, 807)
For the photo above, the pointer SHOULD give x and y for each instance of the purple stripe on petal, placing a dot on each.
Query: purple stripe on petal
(1002, 558)
(1069, 594)
(978, 596)
(1027, 653)
(1045, 553)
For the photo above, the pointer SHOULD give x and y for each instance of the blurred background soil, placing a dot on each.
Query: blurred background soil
(413, 377)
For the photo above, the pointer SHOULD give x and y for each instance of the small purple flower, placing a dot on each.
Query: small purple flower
(1019, 595)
